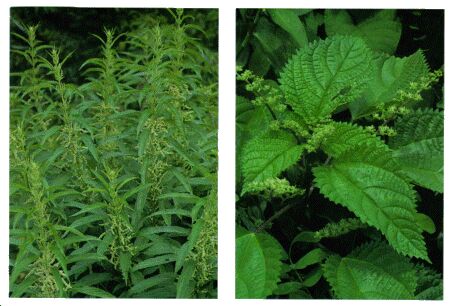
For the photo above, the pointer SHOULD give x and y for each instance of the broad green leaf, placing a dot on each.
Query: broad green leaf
(287, 288)
(312, 257)
(267, 155)
(390, 76)
(326, 74)
(258, 265)
(251, 120)
(344, 136)
(275, 42)
(425, 223)
(313, 277)
(381, 32)
(419, 147)
(372, 271)
(289, 21)
(368, 187)
(259, 63)
(429, 284)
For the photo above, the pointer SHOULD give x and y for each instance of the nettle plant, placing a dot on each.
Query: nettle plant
(292, 144)
(113, 187)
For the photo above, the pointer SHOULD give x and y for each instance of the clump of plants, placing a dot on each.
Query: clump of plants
(113, 180)
(340, 158)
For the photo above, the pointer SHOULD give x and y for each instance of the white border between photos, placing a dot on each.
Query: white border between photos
(227, 9)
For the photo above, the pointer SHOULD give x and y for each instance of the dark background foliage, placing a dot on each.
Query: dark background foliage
(69, 28)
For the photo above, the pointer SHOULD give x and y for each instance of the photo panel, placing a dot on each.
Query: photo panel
(113, 152)
(339, 154)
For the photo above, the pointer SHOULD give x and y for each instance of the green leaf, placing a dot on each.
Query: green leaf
(311, 258)
(425, 223)
(88, 220)
(152, 282)
(178, 230)
(135, 190)
(187, 247)
(287, 288)
(21, 266)
(368, 187)
(85, 257)
(94, 279)
(390, 76)
(305, 236)
(185, 283)
(92, 292)
(153, 262)
(251, 120)
(429, 284)
(183, 180)
(258, 265)
(182, 197)
(17, 290)
(125, 265)
(288, 20)
(60, 257)
(313, 277)
(419, 147)
(58, 281)
(274, 41)
(267, 155)
(380, 32)
(90, 146)
(326, 74)
(345, 136)
(372, 271)
(172, 211)
(89, 208)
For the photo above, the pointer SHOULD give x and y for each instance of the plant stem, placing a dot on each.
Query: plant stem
(275, 216)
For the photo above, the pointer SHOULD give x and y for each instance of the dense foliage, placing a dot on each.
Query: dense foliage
(113, 175)
(340, 156)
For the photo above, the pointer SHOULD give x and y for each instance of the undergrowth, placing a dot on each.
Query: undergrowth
(113, 180)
